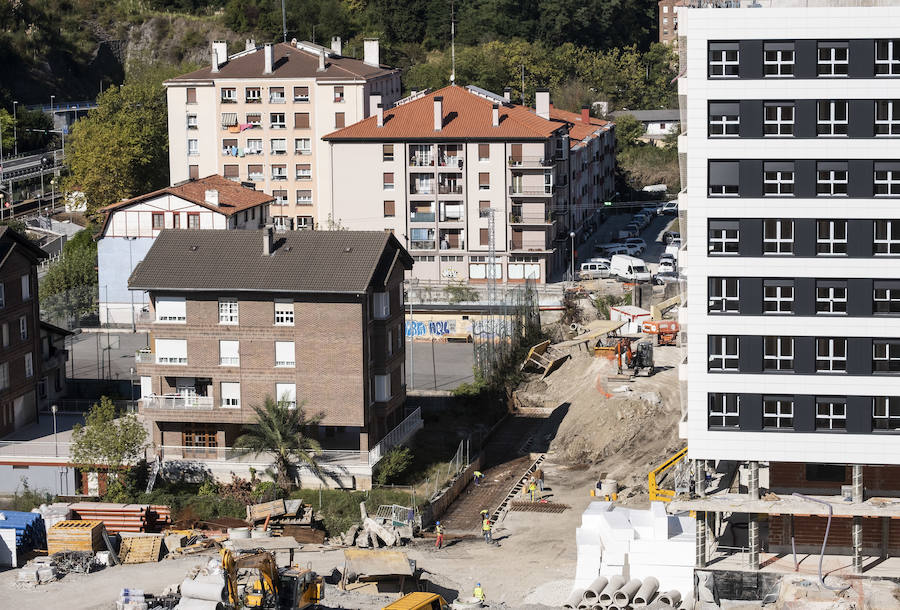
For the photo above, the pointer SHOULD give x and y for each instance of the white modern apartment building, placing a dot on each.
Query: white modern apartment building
(435, 167)
(791, 219)
(258, 117)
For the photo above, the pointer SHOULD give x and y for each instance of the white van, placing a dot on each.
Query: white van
(629, 268)
(593, 270)
(673, 248)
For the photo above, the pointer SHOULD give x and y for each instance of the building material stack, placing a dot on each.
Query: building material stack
(119, 518)
(29, 528)
(75, 536)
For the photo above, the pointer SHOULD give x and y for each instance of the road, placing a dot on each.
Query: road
(90, 359)
(609, 229)
(452, 365)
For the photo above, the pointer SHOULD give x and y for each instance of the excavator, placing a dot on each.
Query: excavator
(639, 361)
(254, 581)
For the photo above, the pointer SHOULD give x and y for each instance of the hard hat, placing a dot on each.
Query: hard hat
(477, 584)
(437, 522)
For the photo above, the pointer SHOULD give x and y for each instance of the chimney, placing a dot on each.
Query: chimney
(214, 64)
(438, 113)
(374, 101)
(212, 197)
(250, 45)
(542, 103)
(370, 52)
(336, 45)
(379, 112)
(507, 93)
(270, 57)
(586, 115)
(221, 49)
(267, 240)
(322, 60)
(495, 115)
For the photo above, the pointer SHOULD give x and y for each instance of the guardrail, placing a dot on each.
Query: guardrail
(178, 403)
(409, 426)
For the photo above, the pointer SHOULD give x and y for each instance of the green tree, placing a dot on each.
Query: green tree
(628, 130)
(108, 440)
(121, 148)
(70, 286)
(280, 430)
(6, 131)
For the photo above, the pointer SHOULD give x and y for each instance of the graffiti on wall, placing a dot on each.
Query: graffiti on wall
(492, 327)
(487, 327)
(432, 328)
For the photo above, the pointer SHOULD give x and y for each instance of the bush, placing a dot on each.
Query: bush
(340, 508)
(28, 498)
(394, 465)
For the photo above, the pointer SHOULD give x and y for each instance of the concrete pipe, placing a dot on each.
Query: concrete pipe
(687, 602)
(608, 487)
(645, 594)
(670, 598)
(606, 595)
(592, 593)
(623, 596)
(574, 600)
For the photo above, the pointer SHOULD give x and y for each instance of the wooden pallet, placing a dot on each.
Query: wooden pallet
(140, 549)
(73, 535)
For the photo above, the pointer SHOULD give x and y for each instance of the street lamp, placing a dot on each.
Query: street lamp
(53, 410)
(15, 132)
(572, 235)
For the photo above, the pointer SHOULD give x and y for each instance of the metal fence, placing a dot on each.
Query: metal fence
(409, 426)
(460, 460)
(513, 320)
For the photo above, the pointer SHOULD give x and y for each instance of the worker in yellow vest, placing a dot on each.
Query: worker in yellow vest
(532, 490)
(439, 530)
(486, 529)
(478, 593)
(478, 477)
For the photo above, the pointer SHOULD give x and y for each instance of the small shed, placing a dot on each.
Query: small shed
(632, 315)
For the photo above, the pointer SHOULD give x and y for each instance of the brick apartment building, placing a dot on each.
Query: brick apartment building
(20, 331)
(433, 168)
(302, 316)
(258, 116)
(131, 226)
(668, 21)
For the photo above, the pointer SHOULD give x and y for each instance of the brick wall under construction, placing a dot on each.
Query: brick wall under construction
(877, 480)
(809, 532)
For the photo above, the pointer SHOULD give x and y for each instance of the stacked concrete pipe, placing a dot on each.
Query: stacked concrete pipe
(606, 595)
(670, 598)
(574, 600)
(592, 593)
(622, 598)
(687, 602)
(645, 594)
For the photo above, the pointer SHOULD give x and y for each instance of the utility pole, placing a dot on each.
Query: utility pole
(284, 22)
(452, 44)
(523, 84)
(15, 130)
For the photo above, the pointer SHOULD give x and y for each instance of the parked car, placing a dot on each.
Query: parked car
(669, 207)
(641, 219)
(593, 271)
(667, 256)
(670, 236)
(613, 249)
(636, 241)
(667, 277)
(666, 266)
(631, 230)
(629, 268)
(599, 259)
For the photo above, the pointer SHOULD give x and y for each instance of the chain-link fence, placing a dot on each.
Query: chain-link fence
(504, 326)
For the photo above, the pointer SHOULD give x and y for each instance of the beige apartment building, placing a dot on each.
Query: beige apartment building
(451, 171)
(258, 117)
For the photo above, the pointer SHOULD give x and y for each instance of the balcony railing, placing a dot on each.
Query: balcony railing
(447, 218)
(420, 244)
(144, 356)
(447, 189)
(530, 191)
(446, 245)
(518, 245)
(529, 161)
(178, 402)
(420, 190)
(421, 162)
(229, 361)
(454, 162)
(421, 216)
(530, 219)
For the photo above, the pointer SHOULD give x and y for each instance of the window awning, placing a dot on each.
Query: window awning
(229, 119)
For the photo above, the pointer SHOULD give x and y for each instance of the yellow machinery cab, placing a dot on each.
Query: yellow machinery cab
(419, 601)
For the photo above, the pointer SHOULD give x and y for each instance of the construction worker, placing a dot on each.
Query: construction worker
(439, 530)
(478, 477)
(478, 593)
(539, 478)
(486, 529)
(532, 489)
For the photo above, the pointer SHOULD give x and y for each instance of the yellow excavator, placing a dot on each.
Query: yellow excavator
(262, 585)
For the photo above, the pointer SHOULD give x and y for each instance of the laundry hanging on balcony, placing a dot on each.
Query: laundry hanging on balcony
(229, 119)
(245, 126)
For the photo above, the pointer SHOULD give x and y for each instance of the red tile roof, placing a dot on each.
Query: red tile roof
(579, 130)
(290, 62)
(466, 116)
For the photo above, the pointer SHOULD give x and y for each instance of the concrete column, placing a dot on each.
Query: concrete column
(754, 540)
(885, 536)
(857, 544)
(700, 477)
(858, 488)
(701, 539)
(753, 481)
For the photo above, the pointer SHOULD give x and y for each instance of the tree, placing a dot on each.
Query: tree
(281, 431)
(6, 131)
(70, 286)
(628, 130)
(108, 441)
(121, 148)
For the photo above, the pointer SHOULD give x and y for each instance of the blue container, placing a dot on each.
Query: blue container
(30, 530)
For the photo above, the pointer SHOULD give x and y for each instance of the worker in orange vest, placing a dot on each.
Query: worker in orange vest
(439, 530)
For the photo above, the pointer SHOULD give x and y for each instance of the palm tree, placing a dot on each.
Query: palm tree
(279, 430)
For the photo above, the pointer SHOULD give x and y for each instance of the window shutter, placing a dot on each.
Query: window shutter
(389, 177)
(301, 120)
(484, 179)
(388, 208)
(484, 236)
(231, 171)
(515, 151)
(484, 151)
(301, 91)
(193, 172)
(484, 205)
(338, 119)
(191, 95)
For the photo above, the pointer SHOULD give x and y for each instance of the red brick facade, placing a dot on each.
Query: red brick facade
(792, 476)
(810, 531)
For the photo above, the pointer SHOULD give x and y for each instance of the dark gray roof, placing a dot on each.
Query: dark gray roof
(651, 115)
(301, 261)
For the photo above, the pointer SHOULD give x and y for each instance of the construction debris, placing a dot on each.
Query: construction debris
(74, 562)
(259, 512)
(141, 549)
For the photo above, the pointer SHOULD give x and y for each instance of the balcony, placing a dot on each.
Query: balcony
(424, 189)
(421, 216)
(450, 189)
(144, 356)
(520, 190)
(178, 402)
(451, 218)
(420, 244)
(452, 163)
(417, 161)
(529, 161)
(448, 245)
(531, 219)
(518, 246)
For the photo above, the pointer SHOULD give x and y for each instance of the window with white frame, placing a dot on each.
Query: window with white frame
(723, 236)
(170, 351)
(29, 365)
(778, 413)
(831, 355)
(831, 179)
(887, 179)
(724, 60)
(831, 237)
(279, 146)
(381, 303)
(301, 94)
(229, 95)
(229, 353)
(778, 296)
(304, 197)
(885, 356)
(276, 120)
(831, 297)
(778, 119)
(723, 295)
(284, 312)
(886, 413)
(193, 147)
(723, 353)
(23, 327)
(831, 118)
(285, 354)
(724, 118)
(192, 121)
(252, 95)
(831, 413)
(887, 117)
(724, 410)
(302, 146)
(778, 59)
(886, 297)
(276, 95)
(279, 172)
(833, 59)
(286, 394)
(230, 392)
(254, 146)
(170, 309)
(228, 310)
(887, 237)
(382, 388)
(778, 178)
(887, 57)
(778, 353)
(778, 236)
(724, 178)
